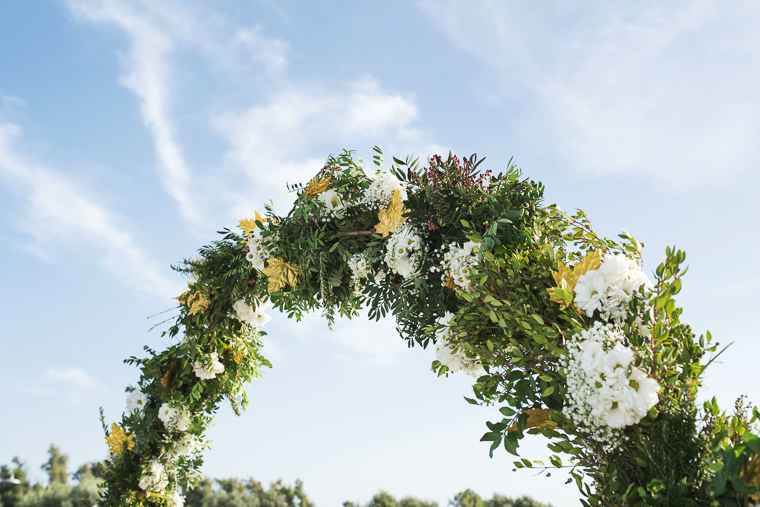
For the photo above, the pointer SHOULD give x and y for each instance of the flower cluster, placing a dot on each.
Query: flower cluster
(609, 289)
(404, 251)
(209, 368)
(359, 265)
(187, 445)
(451, 357)
(154, 478)
(136, 401)
(175, 500)
(380, 191)
(253, 316)
(458, 263)
(604, 390)
(174, 418)
(259, 249)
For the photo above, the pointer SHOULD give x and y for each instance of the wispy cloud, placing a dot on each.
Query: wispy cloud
(59, 213)
(660, 89)
(281, 136)
(71, 385)
(156, 30)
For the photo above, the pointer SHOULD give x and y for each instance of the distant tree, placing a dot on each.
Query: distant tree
(88, 469)
(466, 498)
(411, 501)
(382, 499)
(56, 466)
(10, 494)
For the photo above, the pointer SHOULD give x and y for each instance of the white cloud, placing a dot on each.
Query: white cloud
(661, 89)
(60, 213)
(280, 137)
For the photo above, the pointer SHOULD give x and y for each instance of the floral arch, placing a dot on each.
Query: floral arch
(559, 327)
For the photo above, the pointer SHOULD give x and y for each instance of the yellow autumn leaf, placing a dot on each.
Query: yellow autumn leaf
(168, 378)
(316, 187)
(249, 224)
(199, 303)
(570, 276)
(537, 418)
(119, 439)
(279, 274)
(391, 217)
(752, 477)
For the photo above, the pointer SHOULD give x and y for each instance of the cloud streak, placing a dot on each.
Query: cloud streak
(61, 213)
(661, 90)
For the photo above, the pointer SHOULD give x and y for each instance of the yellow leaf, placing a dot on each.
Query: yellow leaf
(316, 187)
(752, 477)
(537, 418)
(279, 274)
(391, 217)
(589, 262)
(119, 439)
(199, 303)
(249, 224)
(168, 378)
(570, 276)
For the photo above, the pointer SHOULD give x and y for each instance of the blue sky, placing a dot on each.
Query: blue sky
(131, 131)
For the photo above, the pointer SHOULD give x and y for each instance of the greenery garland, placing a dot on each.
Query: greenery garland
(560, 327)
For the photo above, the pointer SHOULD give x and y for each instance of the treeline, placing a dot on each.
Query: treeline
(16, 491)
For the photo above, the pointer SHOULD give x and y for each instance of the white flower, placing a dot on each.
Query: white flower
(255, 317)
(155, 478)
(404, 251)
(209, 369)
(455, 359)
(174, 419)
(359, 265)
(333, 202)
(602, 399)
(459, 263)
(609, 289)
(175, 500)
(259, 249)
(136, 402)
(380, 191)
(187, 445)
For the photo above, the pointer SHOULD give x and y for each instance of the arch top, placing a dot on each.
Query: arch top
(557, 325)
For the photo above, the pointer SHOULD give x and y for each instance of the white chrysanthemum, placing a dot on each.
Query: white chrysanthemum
(174, 419)
(455, 359)
(154, 478)
(601, 397)
(259, 249)
(254, 316)
(404, 251)
(459, 262)
(380, 191)
(359, 265)
(136, 402)
(209, 368)
(187, 445)
(609, 289)
(333, 203)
